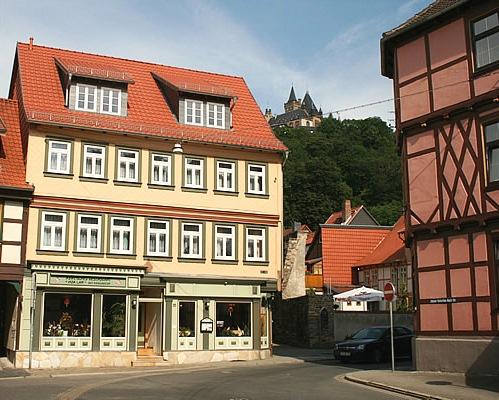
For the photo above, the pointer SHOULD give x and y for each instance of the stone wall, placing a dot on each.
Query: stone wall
(293, 273)
(74, 359)
(311, 321)
(200, 357)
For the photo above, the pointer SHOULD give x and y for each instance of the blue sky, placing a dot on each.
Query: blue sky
(330, 48)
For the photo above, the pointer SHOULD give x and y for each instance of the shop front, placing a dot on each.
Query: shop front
(216, 321)
(80, 316)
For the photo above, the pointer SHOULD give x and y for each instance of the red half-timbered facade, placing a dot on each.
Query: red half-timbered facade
(444, 63)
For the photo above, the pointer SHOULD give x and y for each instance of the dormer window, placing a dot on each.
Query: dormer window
(193, 112)
(110, 101)
(86, 97)
(216, 115)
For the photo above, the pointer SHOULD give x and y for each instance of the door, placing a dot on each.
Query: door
(149, 336)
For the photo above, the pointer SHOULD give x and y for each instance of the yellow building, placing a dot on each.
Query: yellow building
(155, 229)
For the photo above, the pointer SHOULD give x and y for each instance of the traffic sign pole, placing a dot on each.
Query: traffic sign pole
(389, 293)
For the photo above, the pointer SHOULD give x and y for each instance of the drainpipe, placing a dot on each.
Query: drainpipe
(67, 89)
(31, 318)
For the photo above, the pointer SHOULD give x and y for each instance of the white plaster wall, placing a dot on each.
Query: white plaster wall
(13, 209)
(12, 232)
(11, 254)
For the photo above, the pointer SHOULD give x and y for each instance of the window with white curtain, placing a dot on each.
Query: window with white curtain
(192, 240)
(128, 165)
(161, 169)
(53, 231)
(194, 172)
(93, 161)
(59, 157)
(89, 233)
(122, 235)
(225, 242)
(256, 179)
(255, 244)
(226, 173)
(158, 237)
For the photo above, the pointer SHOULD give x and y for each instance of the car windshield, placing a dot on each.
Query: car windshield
(369, 333)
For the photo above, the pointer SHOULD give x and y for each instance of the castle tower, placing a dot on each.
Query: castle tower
(292, 103)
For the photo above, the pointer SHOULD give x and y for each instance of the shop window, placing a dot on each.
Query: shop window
(113, 316)
(187, 319)
(225, 242)
(67, 315)
(233, 319)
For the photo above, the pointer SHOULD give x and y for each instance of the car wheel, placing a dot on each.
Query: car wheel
(377, 356)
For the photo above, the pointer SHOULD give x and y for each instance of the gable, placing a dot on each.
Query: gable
(363, 217)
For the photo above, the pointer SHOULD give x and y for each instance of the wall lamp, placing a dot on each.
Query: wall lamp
(134, 304)
(206, 305)
(177, 148)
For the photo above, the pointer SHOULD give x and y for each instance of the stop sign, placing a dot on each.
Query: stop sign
(389, 291)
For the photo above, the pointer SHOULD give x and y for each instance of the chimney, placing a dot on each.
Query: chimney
(31, 43)
(347, 210)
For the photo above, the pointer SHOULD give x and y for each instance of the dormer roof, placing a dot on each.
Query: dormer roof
(148, 113)
(92, 70)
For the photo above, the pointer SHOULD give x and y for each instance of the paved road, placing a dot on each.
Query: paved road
(238, 381)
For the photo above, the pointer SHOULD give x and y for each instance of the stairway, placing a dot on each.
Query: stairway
(150, 361)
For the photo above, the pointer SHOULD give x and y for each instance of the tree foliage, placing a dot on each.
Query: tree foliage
(350, 159)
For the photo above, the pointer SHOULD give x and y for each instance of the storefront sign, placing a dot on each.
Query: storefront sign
(206, 325)
(444, 300)
(73, 280)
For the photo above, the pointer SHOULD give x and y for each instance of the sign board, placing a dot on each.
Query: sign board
(389, 291)
(78, 280)
(206, 325)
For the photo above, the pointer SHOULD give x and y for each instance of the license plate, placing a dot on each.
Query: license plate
(345, 353)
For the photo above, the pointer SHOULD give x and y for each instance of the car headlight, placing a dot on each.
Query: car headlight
(361, 347)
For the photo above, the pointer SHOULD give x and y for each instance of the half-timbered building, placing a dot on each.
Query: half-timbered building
(444, 63)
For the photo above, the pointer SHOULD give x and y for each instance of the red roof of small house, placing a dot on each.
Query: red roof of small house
(12, 168)
(337, 216)
(303, 228)
(343, 247)
(391, 248)
(148, 113)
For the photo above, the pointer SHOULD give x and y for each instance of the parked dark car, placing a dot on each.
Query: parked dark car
(373, 344)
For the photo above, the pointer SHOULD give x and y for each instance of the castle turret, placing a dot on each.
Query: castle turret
(292, 103)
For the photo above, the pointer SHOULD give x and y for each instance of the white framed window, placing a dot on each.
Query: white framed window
(122, 235)
(255, 244)
(194, 172)
(216, 115)
(86, 97)
(128, 165)
(53, 231)
(226, 176)
(192, 236)
(256, 179)
(161, 169)
(94, 161)
(193, 112)
(225, 242)
(89, 233)
(59, 157)
(158, 238)
(110, 102)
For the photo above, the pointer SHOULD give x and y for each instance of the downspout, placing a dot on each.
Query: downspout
(68, 85)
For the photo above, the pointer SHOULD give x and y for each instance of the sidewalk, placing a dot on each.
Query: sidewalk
(428, 385)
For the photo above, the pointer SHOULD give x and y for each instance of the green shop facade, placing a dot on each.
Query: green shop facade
(85, 315)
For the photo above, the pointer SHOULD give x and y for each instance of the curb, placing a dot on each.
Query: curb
(394, 389)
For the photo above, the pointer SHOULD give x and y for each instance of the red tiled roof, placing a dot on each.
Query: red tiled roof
(343, 247)
(92, 70)
(391, 249)
(148, 112)
(12, 168)
(337, 216)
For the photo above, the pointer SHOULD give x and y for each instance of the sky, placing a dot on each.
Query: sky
(328, 47)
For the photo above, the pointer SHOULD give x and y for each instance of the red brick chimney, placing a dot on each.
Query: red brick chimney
(347, 210)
